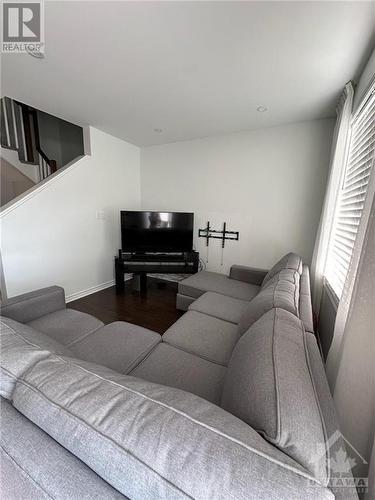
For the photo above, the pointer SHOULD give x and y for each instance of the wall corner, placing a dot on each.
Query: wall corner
(87, 140)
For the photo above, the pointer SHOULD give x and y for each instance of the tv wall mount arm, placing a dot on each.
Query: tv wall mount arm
(223, 235)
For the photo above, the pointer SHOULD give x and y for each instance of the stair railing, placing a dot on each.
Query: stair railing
(46, 165)
(21, 133)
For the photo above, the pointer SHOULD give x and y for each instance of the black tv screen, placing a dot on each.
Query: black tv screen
(157, 231)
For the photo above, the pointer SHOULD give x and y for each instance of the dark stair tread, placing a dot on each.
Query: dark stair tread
(9, 147)
(19, 159)
(29, 162)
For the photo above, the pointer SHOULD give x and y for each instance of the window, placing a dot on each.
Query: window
(351, 196)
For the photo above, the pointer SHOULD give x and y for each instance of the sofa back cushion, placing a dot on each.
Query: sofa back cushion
(337, 444)
(269, 386)
(32, 305)
(21, 347)
(35, 467)
(289, 261)
(305, 306)
(151, 441)
(283, 274)
(280, 291)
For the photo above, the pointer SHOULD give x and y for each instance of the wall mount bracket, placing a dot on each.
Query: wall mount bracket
(222, 235)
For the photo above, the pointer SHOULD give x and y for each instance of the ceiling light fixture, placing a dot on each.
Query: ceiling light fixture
(262, 109)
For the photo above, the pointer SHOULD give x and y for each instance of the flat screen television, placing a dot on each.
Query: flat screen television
(157, 231)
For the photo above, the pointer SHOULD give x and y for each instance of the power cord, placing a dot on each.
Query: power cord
(202, 264)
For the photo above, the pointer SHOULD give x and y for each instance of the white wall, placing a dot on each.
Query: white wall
(268, 184)
(30, 171)
(54, 236)
(368, 74)
(354, 391)
(12, 182)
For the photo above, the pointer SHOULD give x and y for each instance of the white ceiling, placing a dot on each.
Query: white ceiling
(192, 69)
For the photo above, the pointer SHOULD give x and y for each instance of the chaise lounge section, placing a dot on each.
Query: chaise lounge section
(79, 333)
(227, 297)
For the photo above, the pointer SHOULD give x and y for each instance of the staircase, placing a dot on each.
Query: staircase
(20, 133)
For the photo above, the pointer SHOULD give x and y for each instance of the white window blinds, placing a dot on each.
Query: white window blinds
(351, 196)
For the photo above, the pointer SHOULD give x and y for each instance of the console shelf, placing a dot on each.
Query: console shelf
(163, 263)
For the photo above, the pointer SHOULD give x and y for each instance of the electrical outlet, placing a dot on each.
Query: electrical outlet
(100, 214)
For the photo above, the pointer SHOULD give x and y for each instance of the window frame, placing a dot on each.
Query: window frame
(367, 101)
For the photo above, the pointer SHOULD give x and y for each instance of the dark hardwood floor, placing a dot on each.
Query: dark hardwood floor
(156, 310)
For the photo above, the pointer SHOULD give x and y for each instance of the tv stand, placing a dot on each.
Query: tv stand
(162, 263)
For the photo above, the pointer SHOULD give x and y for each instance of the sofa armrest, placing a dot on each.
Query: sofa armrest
(251, 275)
(33, 305)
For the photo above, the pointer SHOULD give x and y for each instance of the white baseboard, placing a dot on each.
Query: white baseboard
(89, 291)
(93, 289)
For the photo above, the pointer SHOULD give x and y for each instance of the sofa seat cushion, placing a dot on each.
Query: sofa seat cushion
(35, 466)
(277, 293)
(21, 346)
(67, 325)
(208, 337)
(205, 281)
(120, 346)
(150, 441)
(174, 367)
(289, 261)
(269, 385)
(220, 306)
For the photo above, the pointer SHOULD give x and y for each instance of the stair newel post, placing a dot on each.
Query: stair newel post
(53, 166)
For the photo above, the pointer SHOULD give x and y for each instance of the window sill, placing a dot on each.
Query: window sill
(331, 293)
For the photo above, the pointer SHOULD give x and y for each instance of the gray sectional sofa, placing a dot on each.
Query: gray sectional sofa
(231, 402)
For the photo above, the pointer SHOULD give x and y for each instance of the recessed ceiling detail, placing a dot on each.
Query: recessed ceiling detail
(195, 67)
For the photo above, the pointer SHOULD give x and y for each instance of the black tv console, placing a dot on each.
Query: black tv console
(163, 263)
